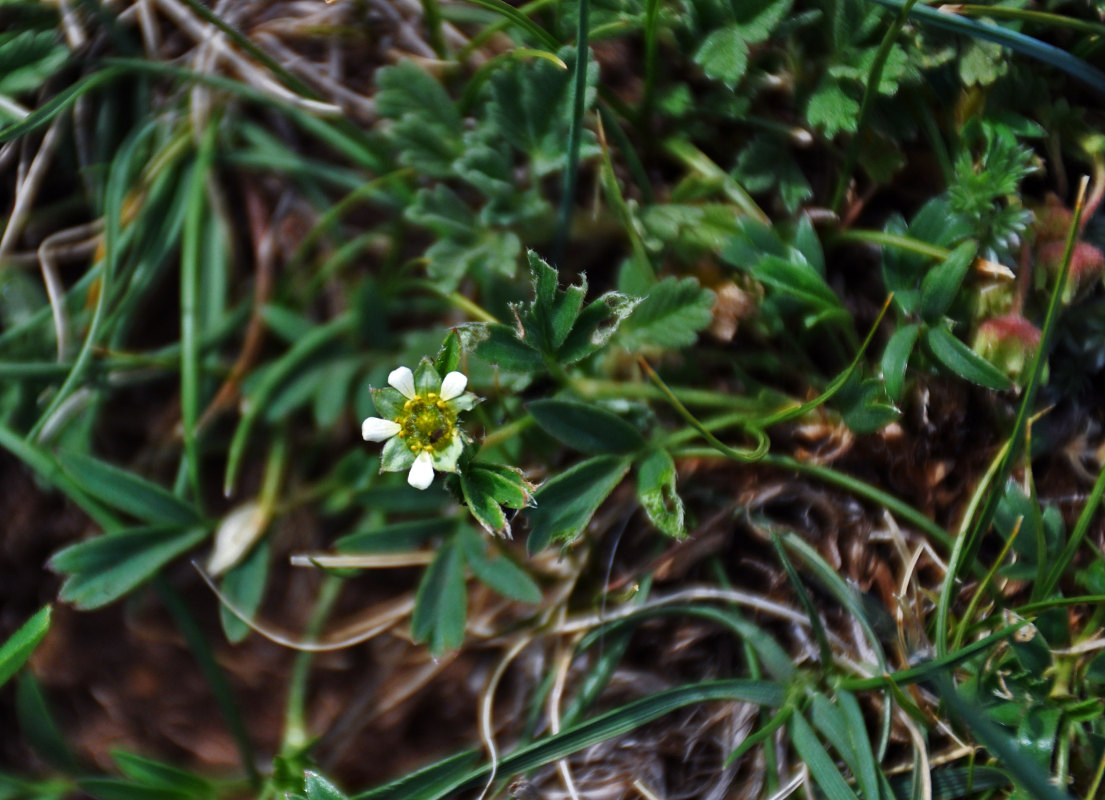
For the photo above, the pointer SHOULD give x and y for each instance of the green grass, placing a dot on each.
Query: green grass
(771, 371)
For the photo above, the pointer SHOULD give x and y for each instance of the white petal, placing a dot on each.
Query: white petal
(375, 429)
(422, 473)
(236, 535)
(402, 379)
(453, 385)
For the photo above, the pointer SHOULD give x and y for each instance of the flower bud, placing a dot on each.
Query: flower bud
(1087, 264)
(1008, 342)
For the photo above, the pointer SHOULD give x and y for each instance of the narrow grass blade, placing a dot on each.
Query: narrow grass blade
(212, 672)
(831, 580)
(19, 646)
(762, 735)
(613, 723)
(1022, 767)
(818, 628)
(190, 250)
(123, 169)
(742, 456)
(817, 759)
(837, 383)
(38, 726)
(45, 113)
(575, 131)
(778, 664)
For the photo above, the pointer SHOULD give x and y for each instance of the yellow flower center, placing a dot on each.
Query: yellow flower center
(427, 423)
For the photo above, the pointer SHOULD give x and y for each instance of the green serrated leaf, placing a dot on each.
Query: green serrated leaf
(759, 18)
(490, 252)
(723, 56)
(565, 504)
(671, 315)
(586, 428)
(594, 327)
(530, 104)
(441, 605)
(101, 570)
(482, 504)
(941, 285)
(442, 211)
(831, 109)
(126, 491)
(500, 574)
(962, 360)
(506, 484)
(657, 493)
(407, 90)
(19, 646)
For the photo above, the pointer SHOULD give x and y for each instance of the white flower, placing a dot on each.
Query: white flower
(418, 422)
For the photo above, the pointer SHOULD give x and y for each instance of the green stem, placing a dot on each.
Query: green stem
(741, 455)
(472, 308)
(892, 240)
(575, 132)
(508, 431)
(296, 735)
(870, 91)
(431, 13)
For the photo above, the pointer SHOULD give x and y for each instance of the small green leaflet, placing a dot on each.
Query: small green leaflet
(441, 605)
(101, 570)
(671, 315)
(566, 503)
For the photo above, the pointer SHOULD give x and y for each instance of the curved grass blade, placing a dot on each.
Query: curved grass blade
(775, 660)
(521, 20)
(613, 723)
(837, 383)
(742, 456)
(45, 113)
(927, 669)
(1019, 42)
(213, 673)
(123, 168)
